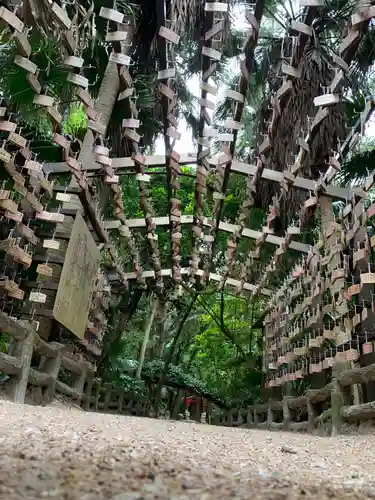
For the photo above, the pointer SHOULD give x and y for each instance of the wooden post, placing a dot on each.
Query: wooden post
(209, 412)
(337, 401)
(239, 417)
(88, 391)
(120, 401)
(79, 382)
(146, 337)
(286, 413)
(22, 349)
(250, 419)
(98, 390)
(256, 417)
(52, 367)
(337, 398)
(311, 416)
(269, 415)
(107, 395)
(230, 418)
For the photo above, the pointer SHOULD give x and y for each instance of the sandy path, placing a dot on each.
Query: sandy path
(68, 454)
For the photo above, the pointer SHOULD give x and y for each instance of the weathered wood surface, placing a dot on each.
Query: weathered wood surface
(325, 416)
(76, 284)
(12, 327)
(298, 426)
(276, 426)
(299, 402)
(68, 391)
(364, 411)
(361, 375)
(320, 395)
(39, 378)
(276, 405)
(23, 350)
(72, 365)
(48, 349)
(10, 364)
(261, 408)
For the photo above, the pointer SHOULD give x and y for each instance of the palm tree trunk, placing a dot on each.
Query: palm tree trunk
(107, 97)
(105, 103)
(146, 337)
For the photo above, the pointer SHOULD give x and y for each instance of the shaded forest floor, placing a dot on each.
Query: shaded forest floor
(63, 453)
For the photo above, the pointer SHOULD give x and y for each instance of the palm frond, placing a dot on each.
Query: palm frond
(356, 168)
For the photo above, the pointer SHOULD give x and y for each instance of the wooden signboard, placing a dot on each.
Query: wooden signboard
(77, 281)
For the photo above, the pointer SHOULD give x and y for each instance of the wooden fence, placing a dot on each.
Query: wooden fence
(51, 374)
(329, 408)
(332, 403)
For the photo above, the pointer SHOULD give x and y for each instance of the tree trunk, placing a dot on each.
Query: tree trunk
(171, 352)
(127, 307)
(105, 103)
(146, 337)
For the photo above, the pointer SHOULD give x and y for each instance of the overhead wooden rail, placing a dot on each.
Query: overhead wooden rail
(310, 326)
(167, 39)
(257, 172)
(228, 147)
(287, 179)
(120, 164)
(239, 167)
(185, 272)
(118, 33)
(223, 226)
(130, 125)
(211, 39)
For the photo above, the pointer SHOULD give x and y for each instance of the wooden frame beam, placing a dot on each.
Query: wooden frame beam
(185, 271)
(120, 163)
(223, 226)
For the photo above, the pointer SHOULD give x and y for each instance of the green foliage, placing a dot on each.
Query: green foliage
(356, 167)
(75, 123)
(217, 351)
(46, 54)
(228, 361)
(130, 384)
(217, 354)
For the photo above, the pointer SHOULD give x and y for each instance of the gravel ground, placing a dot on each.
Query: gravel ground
(64, 453)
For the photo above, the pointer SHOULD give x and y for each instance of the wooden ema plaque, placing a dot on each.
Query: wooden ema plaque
(77, 281)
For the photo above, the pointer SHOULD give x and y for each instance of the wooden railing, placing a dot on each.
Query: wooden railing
(330, 407)
(332, 403)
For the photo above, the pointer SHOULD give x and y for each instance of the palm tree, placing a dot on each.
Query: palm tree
(315, 61)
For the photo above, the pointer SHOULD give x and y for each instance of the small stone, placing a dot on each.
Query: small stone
(286, 449)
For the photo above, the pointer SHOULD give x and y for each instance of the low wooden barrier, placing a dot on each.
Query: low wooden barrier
(46, 375)
(16, 363)
(79, 374)
(330, 404)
